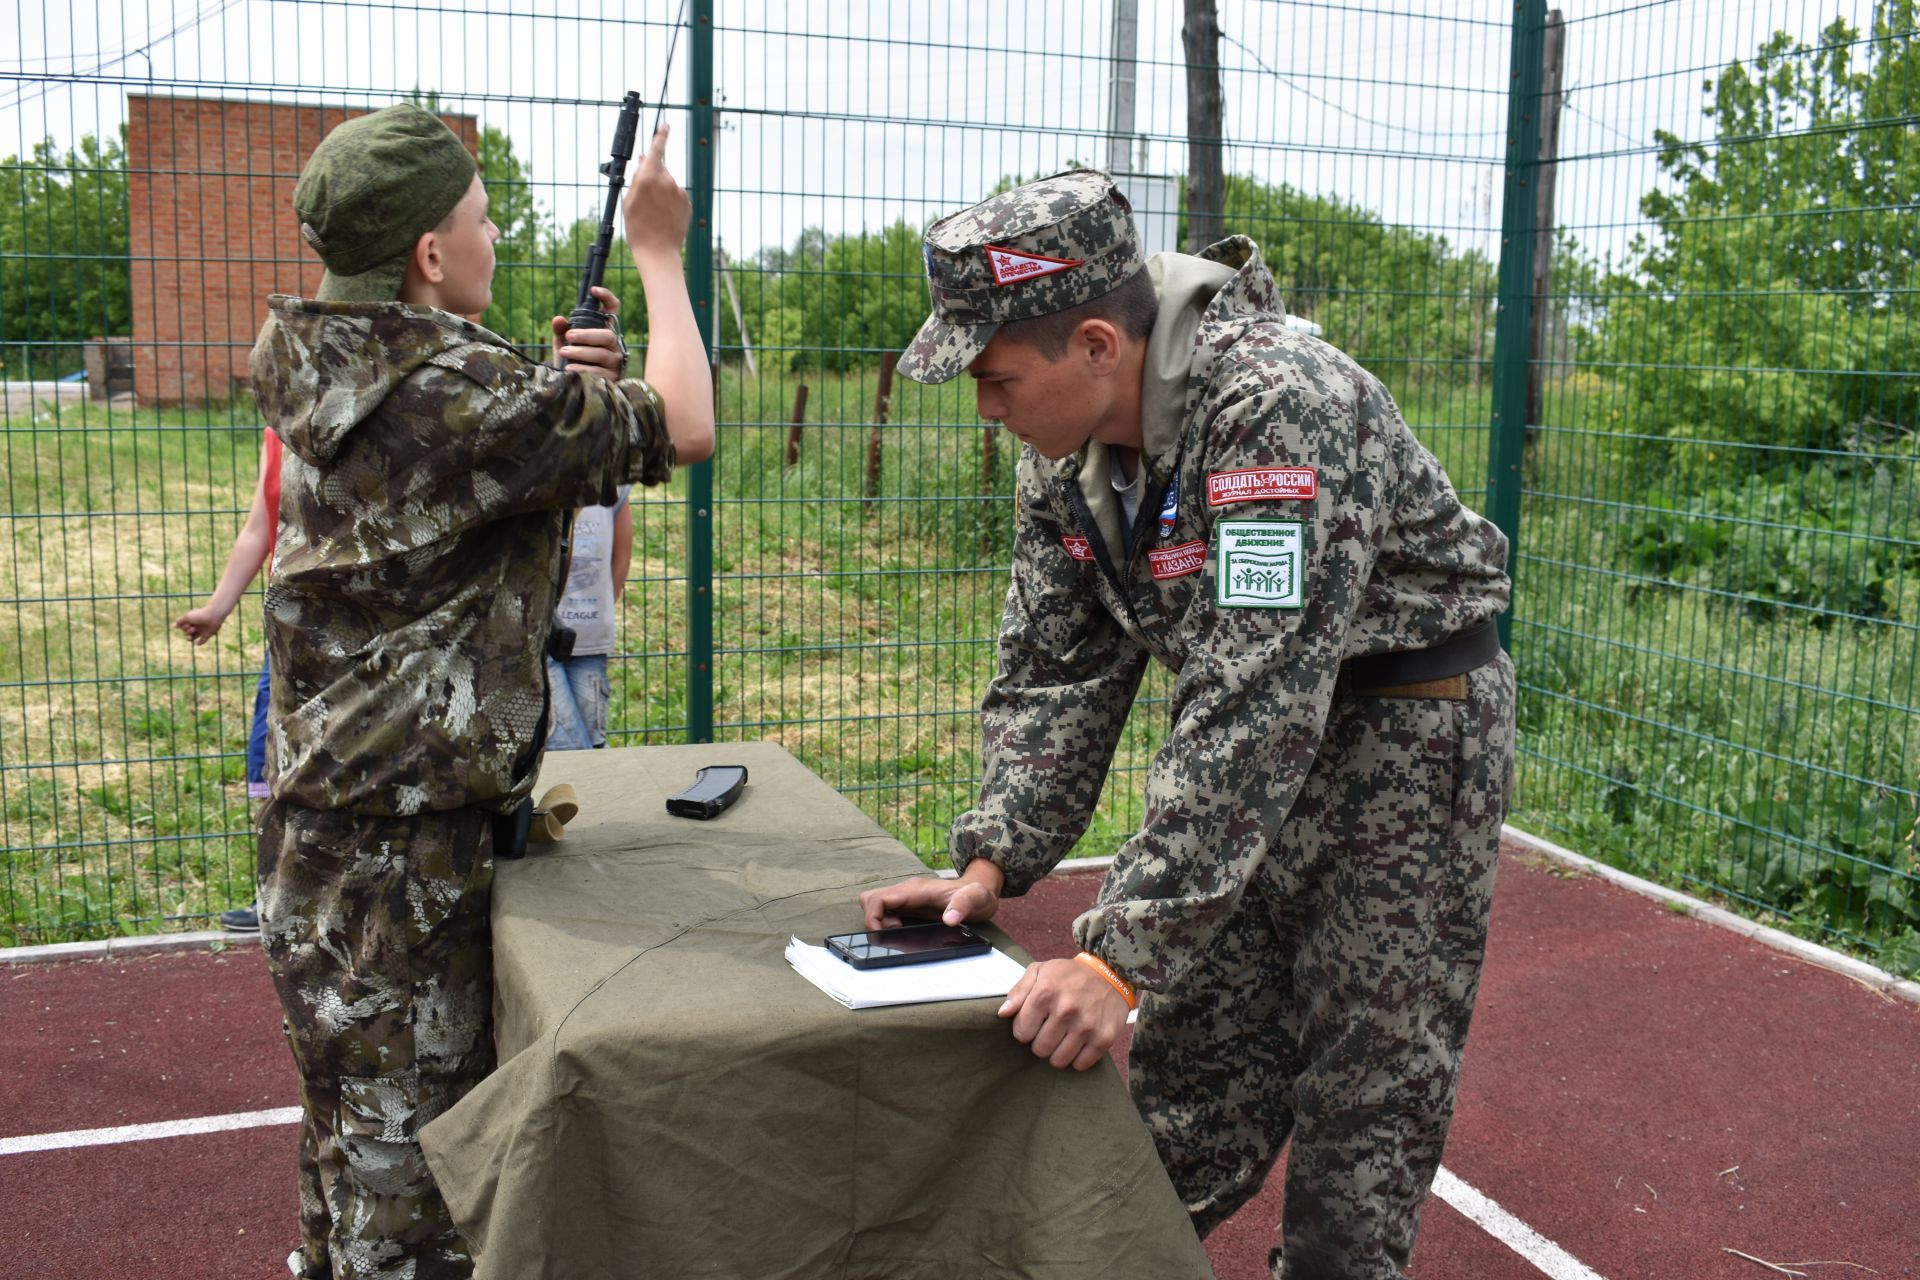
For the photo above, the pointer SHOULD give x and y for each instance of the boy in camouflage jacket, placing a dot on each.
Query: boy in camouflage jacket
(1301, 917)
(428, 471)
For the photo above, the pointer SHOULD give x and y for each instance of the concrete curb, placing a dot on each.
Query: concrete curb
(1799, 948)
(1069, 867)
(110, 948)
(1811, 952)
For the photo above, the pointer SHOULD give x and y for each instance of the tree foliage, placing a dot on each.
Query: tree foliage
(1381, 292)
(838, 301)
(831, 302)
(1774, 306)
(1769, 321)
(64, 269)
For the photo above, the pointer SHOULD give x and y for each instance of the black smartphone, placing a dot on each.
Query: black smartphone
(907, 944)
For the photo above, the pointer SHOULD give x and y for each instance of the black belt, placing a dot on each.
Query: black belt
(1462, 653)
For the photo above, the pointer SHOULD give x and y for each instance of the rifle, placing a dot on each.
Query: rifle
(586, 315)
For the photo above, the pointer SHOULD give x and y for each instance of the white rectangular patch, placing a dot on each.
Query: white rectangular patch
(1259, 565)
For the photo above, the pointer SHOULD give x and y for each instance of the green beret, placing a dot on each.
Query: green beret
(372, 188)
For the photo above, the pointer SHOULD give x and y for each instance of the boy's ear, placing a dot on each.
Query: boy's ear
(425, 259)
(1099, 340)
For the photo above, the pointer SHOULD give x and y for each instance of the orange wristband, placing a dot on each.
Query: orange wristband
(1114, 980)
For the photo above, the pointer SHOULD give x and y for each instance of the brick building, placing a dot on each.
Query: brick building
(210, 196)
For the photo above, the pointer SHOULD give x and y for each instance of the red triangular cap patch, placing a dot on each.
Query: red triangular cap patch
(1010, 266)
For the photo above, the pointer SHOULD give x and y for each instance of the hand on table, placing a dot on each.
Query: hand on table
(1064, 1009)
(1067, 1012)
(969, 899)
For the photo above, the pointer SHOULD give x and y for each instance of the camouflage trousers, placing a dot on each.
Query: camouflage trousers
(1333, 1009)
(376, 931)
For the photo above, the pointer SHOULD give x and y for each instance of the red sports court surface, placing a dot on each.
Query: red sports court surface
(1643, 1093)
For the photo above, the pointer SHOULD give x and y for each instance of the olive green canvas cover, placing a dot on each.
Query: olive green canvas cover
(674, 1101)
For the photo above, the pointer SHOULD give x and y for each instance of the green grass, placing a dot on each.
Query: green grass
(1697, 722)
(1757, 757)
(121, 746)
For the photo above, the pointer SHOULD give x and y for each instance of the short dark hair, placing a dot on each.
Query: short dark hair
(1131, 308)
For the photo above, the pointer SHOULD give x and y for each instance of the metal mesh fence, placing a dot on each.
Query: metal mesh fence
(1715, 617)
(1715, 607)
(859, 568)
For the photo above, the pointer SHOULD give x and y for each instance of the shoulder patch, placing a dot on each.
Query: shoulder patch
(1262, 484)
(1259, 564)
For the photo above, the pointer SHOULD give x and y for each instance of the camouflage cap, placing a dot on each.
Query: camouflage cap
(372, 188)
(1037, 249)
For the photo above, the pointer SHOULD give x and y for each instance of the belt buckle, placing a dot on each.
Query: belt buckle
(1447, 688)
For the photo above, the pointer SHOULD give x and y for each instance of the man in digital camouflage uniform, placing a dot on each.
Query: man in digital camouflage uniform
(427, 471)
(1302, 914)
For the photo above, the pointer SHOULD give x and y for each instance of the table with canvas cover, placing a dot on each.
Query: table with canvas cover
(673, 1100)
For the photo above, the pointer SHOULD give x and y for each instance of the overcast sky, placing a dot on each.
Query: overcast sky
(845, 114)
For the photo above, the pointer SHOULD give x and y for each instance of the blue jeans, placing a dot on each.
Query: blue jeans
(577, 718)
(257, 788)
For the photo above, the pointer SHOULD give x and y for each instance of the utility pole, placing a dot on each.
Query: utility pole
(1126, 44)
(1155, 197)
(1206, 117)
(1553, 59)
(739, 318)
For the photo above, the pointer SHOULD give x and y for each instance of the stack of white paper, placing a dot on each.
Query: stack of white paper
(969, 978)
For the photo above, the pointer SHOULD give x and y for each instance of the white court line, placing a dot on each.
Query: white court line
(1550, 1258)
(1543, 1253)
(146, 1132)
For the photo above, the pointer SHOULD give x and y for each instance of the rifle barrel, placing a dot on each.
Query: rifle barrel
(615, 170)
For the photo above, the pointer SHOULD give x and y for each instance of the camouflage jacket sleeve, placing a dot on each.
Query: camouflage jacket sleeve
(542, 436)
(1052, 716)
(1251, 697)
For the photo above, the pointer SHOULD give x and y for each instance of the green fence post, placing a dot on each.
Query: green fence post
(1513, 331)
(700, 287)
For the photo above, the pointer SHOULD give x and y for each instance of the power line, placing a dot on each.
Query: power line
(1327, 102)
(666, 77)
(213, 10)
(51, 57)
(1587, 115)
